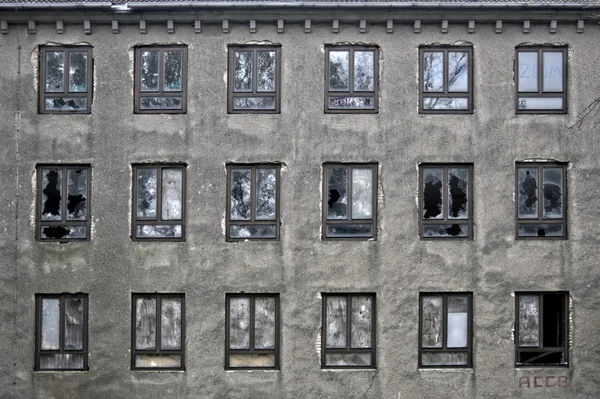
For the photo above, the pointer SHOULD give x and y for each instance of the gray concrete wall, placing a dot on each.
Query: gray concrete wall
(397, 266)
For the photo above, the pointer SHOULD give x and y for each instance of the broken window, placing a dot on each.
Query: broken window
(541, 209)
(446, 76)
(159, 202)
(352, 79)
(446, 201)
(253, 202)
(542, 329)
(348, 333)
(254, 79)
(541, 82)
(445, 331)
(61, 332)
(350, 203)
(158, 332)
(63, 202)
(65, 80)
(160, 79)
(252, 331)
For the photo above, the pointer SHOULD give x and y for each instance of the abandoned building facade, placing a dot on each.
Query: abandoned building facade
(325, 199)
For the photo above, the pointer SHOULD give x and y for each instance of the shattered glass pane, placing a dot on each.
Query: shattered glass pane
(351, 103)
(446, 103)
(541, 230)
(458, 308)
(337, 187)
(364, 71)
(336, 319)
(242, 77)
(528, 72)
(541, 103)
(149, 71)
(529, 320)
(240, 194)
(77, 194)
(445, 230)
(67, 232)
(362, 193)
(433, 322)
(348, 359)
(433, 71)
(51, 194)
(172, 193)
(266, 194)
(432, 193)
(458, 193)
(553, 193)
(553, 71)
(145, 323)
(528, 190)
(265, 79)
(444, 358)
(65, 103)
(173, 70)
(78, 71)
(254, 103)
(61, 361)
(339, 70)
(349, 230)
(362, 311)
(458, 71)
(264, 323)
(253, 231)
(252, 360)
(147, 180)
(239, 323)
(55, 71)
(158, 231)
(74, 323)
(50, 324)
(170, 325)
(155, 361)
(160, 103)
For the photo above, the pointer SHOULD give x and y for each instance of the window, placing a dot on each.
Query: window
(348, 338)
(252, 332)
(351, 79)
(159, 202)
(253, 206)
(541, 80)
(548, 219)
(446, 80)
(254, 79)
(446, 330)
(158, 332)
(62, 92)
(61, 326)
(542, 329)
(354, 184)
(63, 202)
(446, 206)
(161, 80)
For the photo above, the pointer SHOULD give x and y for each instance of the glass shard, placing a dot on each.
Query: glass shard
(339, 70)
(444, 358)
(336, 319)
(529, 320)
(364, 71)
(239, 323)
(553, 193)
(172, 193)
(77, 194)
(541, 230)
(528, 72)
(433, 322)
(349, 230)
(250, 103)
(265, 79)
(240, 194)
(150, 103)
(51, 194)
(65, 104)
(158, 361)
(252, 360)
(432, 193)
(337, 187)
(242, 67)
(528, 190)
(264, 323)
(553, 72)
(253, 231)
(55, 71)
(50, 324)
(149, 71)
(433, 71)
(173, 70)
(348, 359)
(145, 323)
(362, 193)
(458, 193)
(158, 231)
(61, 361)
(445, 230)
(458, 72)
(541, 103)
(446, 103)
(147, 180)
(170, 325)
(362, 322)
(78, 71)
(74, 323)
(266, 194)
(458, 308)
(351, 102)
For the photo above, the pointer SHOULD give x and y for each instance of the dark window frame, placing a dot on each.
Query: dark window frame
(349, 221)
(540, 194)
(157, 351)
(349, 349)
(64, 203)
(231, 49)
(135, 221)
(444, 348)
(446, 220)
(88, 94)
(138, 94)
(253, 221)
(351, 93)
(38, 330)
(469, 95)
(252, 325)
(565, 331)
(540, 93)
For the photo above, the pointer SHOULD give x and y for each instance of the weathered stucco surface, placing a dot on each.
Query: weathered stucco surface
(397, 266)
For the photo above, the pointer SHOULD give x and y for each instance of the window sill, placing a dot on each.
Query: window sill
(252, 370)
(40, 372)
(352, 369)
(468, 370)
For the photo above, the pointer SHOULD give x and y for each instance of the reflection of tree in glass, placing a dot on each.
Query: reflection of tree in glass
(240, 195)
(243, 71)
(529, 189)
(77, 71)
(338, 70)
(266, 71)
(173, 70)
(552, 197)
(458, 195)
